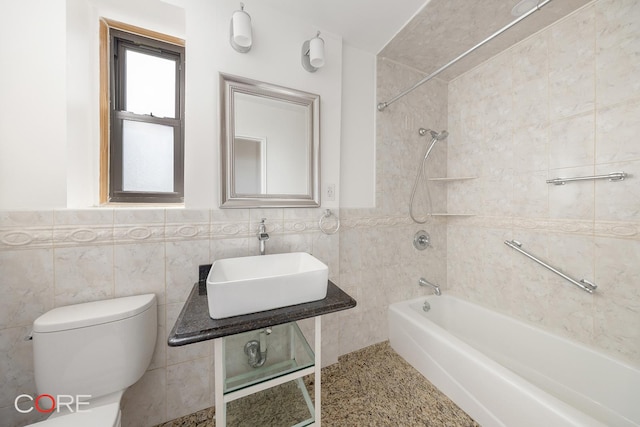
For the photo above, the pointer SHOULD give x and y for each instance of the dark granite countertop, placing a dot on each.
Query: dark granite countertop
(194, 323)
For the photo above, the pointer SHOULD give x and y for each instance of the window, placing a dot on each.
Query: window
(145, 120)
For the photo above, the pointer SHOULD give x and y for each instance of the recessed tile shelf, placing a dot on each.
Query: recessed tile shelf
(446, 179)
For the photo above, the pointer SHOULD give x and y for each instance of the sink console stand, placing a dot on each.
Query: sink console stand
(223, 394)
(286, 364)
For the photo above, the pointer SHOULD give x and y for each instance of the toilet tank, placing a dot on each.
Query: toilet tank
(95, 348)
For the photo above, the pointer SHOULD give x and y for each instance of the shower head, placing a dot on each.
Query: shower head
(435, 135)
(440, 136)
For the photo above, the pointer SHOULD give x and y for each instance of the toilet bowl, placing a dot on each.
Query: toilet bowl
(93, 351)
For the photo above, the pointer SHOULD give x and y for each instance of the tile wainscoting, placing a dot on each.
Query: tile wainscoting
(58, 257)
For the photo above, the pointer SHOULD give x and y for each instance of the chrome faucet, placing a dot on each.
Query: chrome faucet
(425, 282)
(262, 235)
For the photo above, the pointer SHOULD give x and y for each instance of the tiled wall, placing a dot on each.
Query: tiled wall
(378, 263)
(54, 258)
(565, 102)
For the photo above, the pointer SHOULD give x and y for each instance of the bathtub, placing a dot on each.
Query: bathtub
(504, 372)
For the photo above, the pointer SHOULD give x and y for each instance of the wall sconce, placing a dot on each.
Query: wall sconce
(240, 31)
(313, 54)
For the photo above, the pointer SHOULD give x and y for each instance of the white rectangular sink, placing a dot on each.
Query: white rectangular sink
(246, 285)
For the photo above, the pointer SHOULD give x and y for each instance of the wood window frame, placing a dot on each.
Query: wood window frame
(106, 116)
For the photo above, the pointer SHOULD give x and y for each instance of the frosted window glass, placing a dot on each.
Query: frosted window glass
(147, 157)
(151, 85)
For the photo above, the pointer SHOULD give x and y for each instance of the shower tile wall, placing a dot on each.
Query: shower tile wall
(54, 258)
(378, 263)
(564, 102)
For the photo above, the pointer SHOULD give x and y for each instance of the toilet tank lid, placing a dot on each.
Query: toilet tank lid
(92, 313)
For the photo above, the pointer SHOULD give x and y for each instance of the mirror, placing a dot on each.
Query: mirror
(270, 145)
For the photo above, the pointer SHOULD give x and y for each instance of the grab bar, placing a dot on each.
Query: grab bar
(615, 176)
(583, 284)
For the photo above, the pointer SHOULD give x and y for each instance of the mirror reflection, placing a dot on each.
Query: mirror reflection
(272, 135)
(270, 145)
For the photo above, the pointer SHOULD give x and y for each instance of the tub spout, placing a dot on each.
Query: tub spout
(425, 282)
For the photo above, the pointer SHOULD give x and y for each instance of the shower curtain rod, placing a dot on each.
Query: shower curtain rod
(540, 5)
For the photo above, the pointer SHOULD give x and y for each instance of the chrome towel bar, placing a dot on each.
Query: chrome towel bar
(583, 284)
(615, 176)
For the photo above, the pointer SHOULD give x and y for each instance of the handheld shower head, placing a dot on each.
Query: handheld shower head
(440, 136)
(435, 135)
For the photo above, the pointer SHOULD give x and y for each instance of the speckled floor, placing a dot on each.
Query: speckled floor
(370, 387)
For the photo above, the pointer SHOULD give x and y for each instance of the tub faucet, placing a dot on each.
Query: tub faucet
(425, 282)
(262, 235)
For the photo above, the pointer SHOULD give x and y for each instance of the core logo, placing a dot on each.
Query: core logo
(46, 403)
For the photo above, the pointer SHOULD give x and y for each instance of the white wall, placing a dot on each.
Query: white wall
(358, 149)
(32, 111)
(274, 58)
(156, 15)
(55, 163)
(81, 106)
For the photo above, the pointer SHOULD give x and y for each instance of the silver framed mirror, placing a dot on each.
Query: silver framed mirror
(270, 145)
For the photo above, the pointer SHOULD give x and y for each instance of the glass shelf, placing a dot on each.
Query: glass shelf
(268, 389)
(287, 352)
(451, 214)
(452, 178)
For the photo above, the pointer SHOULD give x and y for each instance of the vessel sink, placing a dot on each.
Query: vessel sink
(246, 285)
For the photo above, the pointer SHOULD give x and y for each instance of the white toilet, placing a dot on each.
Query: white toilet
(99, 349)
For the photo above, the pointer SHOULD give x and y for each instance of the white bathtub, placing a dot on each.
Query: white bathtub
(503, 372)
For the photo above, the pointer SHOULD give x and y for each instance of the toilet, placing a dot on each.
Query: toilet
(96, 350)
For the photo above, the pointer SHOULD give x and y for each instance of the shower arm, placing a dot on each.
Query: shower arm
(383, 105)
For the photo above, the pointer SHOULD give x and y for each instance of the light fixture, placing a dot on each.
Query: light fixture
(240, 30)
(313, 54)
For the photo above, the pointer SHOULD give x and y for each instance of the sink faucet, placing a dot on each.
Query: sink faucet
(425, 282)
(262, 235)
